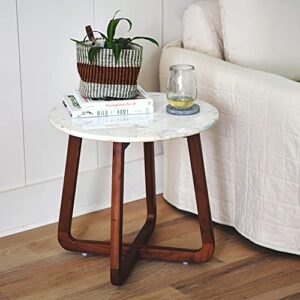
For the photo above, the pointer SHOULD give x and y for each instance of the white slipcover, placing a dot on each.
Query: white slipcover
(252, 156)
(202, 29)
(262, 35)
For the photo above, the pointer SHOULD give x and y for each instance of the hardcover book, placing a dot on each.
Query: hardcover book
(80, 107)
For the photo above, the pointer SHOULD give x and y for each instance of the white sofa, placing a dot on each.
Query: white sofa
(252, 156)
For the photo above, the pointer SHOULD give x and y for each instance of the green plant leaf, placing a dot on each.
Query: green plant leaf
(123, 41)
(117, 49)
(92, 53)
(145, 38)
(78, 42)
(125, 19)
(116, 13)
(111, 28)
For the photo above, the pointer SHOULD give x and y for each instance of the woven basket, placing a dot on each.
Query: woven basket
(106, 79)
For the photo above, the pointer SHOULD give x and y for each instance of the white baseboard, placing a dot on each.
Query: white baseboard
(38, 205)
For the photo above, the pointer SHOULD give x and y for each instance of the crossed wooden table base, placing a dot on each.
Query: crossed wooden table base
(123, 256)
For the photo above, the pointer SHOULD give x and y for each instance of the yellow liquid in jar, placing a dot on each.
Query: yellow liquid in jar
(181, 103)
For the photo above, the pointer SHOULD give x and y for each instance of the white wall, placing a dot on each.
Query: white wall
(12, 172)
(172, 12)
(38, 66)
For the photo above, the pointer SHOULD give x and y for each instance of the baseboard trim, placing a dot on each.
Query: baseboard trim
(38, 205)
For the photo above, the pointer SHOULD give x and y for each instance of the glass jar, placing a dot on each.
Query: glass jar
(182, 86)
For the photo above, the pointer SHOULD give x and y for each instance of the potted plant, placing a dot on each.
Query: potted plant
(109, 66)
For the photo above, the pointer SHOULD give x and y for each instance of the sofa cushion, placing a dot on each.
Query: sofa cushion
(263, 34)
(202, 28)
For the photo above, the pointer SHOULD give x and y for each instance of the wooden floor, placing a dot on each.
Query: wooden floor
(34, 266)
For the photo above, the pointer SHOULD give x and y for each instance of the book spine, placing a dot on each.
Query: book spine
(113, 112)
(126, 104)
(85, 103)
(76, 111)
(122, 104)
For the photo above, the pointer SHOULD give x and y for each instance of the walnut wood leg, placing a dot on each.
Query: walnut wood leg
(120, 269)
(208, 244)
(201, 193)
(150, 184)
(65, 238)
(68, 194)
(117, 213)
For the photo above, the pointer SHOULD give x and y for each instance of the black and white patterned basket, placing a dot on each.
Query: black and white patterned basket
(106, 79)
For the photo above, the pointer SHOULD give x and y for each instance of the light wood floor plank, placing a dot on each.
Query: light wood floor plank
(163, 294)
(279, 293)
(245, 278)
(34, 266)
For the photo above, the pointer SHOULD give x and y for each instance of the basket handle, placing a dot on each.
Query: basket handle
(90, 33)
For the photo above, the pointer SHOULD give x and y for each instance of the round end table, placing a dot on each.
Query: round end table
(123, 130)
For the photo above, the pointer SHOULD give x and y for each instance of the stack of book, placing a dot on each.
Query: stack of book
(82, 107)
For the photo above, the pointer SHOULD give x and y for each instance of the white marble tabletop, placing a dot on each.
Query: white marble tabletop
(136, 128)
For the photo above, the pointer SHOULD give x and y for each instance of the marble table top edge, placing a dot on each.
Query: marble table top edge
(159, 126)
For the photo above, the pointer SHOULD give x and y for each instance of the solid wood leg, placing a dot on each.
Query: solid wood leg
(69, 189)
(123, 256)
(201, 193)
(150, 184)
(208, 244)
(65, 238)
(120, 268)
(117, 213)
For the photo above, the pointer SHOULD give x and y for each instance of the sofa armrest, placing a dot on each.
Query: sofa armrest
(251, 156)
(224, 77)
(243, 94)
